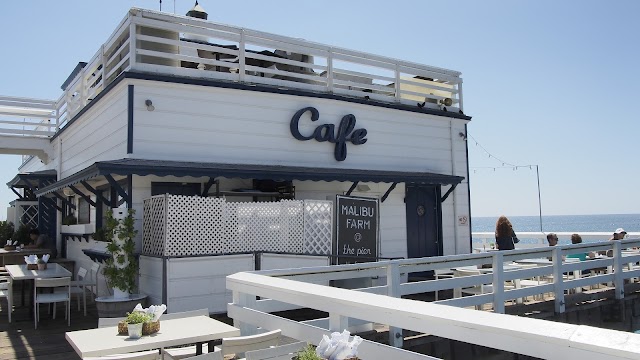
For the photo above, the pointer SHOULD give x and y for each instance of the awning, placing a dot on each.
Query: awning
(33, 179)
(144, 167)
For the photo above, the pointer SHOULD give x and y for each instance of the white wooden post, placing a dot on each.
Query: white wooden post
(393, 290)
(104, 59)
(397, 87)
(330, 71)
(132, 45)
(618, 279)
(241, 57)
(337, 322)
(557, 280)
(498, 282)
(248, 301)
(460, 96)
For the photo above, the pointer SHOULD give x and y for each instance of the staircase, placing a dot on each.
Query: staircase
(26, 126)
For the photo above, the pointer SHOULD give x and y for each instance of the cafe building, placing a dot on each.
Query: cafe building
(243, 150)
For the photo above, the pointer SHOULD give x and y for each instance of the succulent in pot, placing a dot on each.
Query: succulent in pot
(134, 321)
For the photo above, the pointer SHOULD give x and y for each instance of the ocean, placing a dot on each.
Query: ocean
(563, 223)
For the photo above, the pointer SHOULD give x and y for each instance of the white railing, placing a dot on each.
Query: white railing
(485, 240)
(183, 46)
(27, 117)
(290, 288)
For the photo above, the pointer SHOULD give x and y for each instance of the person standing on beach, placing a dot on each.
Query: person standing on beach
(505, 236)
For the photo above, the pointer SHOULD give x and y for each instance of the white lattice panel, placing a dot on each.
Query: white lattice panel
(195, 226)
(264, 226)
(153, 226)
(318, 227)
(190, 225)
(29, 216)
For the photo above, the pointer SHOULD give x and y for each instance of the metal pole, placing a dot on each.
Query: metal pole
(539, 201)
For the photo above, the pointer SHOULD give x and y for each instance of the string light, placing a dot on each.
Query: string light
(505, 164)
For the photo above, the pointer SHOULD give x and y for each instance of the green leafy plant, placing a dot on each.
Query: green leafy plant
(6, 231)
(137, 317)
(22, 235)
(100, 235)
(308, 353)
(121, 268)
(69, 220)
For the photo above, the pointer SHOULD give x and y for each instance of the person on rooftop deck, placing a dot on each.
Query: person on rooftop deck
(41, 241)
(505, 236)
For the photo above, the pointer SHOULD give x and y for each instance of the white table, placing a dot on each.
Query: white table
(175, 332)
(20, 272)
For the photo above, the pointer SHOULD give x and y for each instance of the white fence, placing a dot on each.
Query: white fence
(483, 240)
(175, 225)
(282, 289)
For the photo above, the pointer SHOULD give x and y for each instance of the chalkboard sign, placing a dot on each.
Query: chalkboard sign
(357, 220)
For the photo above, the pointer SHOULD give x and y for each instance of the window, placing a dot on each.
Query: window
(84, 211)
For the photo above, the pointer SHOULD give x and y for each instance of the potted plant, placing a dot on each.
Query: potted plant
(121, 267)
(42, 265)
(308, 353)
(135, 321)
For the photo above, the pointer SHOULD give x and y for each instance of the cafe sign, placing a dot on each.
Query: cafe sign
(357, 222)
(345, 132)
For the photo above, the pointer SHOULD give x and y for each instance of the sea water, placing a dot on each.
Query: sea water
(561, 223)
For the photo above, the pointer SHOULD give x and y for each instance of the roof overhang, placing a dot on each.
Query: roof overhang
(37, 178)
(142, 167)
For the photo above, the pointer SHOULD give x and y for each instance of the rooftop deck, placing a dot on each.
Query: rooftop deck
(160, 43)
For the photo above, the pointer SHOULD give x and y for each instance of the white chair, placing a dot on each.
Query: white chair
(79, 287)
(230, 346)
(52, 298)
(93, 279)
(284, 352)
(209, 356)
(6, 291)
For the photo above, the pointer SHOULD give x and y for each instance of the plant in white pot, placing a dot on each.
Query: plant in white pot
(121, 268)
(135, 321)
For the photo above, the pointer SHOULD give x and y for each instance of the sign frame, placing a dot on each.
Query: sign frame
(338, 217)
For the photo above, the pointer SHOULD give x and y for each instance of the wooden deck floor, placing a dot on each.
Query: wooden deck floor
(19, 340)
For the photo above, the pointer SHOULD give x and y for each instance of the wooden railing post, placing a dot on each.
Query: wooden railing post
(393, 290)
(498, 282)
(241, 57)
(248, 301)
(618, 279)
(132, 46)
(330, 71)
(460, 104)
(397, 87)
(557, 280)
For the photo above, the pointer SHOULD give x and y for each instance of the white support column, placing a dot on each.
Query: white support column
(618, 279)
(393, 290)
(498, 282)
(248, 301)
(557, 280)
(460, 103)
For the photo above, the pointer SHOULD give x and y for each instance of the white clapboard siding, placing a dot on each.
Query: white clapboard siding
(199, 282)
(98, 134)
(228, 125)
(150, 280)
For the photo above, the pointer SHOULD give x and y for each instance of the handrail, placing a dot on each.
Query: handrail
(525, 336)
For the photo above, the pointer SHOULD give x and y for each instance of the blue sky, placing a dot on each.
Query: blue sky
(547, 82)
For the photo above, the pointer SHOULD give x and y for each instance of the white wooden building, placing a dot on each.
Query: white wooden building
(181, 105)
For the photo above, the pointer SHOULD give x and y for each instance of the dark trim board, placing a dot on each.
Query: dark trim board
(130, 119)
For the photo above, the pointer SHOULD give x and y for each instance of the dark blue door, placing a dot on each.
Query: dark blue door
(424, 221)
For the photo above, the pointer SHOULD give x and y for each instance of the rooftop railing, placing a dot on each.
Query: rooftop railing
(256, 295)
(155, 42)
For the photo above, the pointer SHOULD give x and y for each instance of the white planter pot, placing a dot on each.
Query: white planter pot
(119, 294)
(135, 330)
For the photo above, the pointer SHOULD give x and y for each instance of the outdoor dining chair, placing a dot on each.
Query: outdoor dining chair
(6, 291)
(284, 352)
(231, 346)
(52, 298)
(210, 356)
(79, 287)
(142, 355)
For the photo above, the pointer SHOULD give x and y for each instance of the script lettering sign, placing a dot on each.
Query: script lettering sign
(357, 220)
(345, 132)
